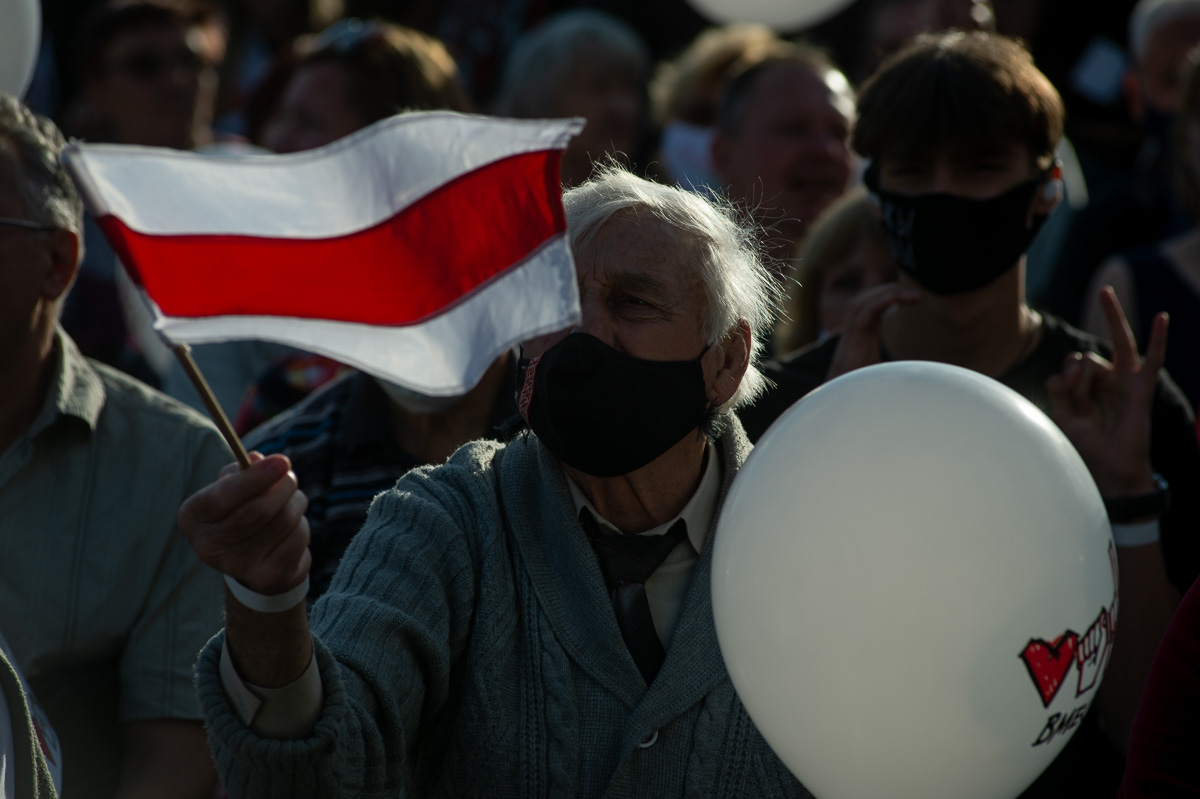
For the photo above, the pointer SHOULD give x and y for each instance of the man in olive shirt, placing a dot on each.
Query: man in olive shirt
(101, 600)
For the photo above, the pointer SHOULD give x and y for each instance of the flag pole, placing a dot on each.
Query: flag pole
(184, 353)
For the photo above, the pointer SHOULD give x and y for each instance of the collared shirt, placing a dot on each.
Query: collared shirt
(101, 598)
(667, 586)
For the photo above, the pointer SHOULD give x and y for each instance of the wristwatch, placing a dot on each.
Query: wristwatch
(1122, 510)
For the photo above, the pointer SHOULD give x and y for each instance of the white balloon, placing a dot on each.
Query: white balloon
(783, 15)
(20, 32)
(914, 586)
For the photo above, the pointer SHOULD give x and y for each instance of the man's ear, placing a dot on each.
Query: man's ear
(62, 250)
(734, 351)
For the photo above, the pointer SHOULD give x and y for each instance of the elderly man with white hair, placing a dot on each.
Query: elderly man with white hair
(499, 627)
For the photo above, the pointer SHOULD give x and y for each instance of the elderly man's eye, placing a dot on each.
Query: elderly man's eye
(634, 307)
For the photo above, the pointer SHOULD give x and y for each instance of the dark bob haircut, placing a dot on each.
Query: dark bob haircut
(960, 94)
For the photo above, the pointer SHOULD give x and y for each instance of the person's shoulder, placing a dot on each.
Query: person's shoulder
(811, 361)
(1059, 334)
(473, 461)
(478, 473)
(463, 491)
(147, 435)
(140, 402)
(308, 418)
(791, 376)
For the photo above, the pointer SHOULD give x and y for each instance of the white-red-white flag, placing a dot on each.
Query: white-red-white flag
(418, 249)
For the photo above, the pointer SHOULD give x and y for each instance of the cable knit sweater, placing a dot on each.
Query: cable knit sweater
(468, 647)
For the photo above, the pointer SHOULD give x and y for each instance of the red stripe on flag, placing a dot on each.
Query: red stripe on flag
(399, 272)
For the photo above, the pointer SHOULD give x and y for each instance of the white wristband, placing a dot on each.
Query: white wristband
(1136, 535)
(267, 604)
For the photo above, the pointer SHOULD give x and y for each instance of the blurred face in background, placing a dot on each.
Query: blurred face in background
(892, 23)
(791, 151)
(1167, 47)
(315, 110)
(866, 266)
(608, 93)
(156, 85)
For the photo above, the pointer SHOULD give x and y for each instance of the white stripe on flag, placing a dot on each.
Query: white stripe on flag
(345, 187)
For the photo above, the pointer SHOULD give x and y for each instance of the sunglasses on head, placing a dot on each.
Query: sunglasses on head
(149, 65)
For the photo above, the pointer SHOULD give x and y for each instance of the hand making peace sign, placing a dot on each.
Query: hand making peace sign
(1104, 407)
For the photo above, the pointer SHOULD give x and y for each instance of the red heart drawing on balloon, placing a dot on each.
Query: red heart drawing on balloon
(1049, 661)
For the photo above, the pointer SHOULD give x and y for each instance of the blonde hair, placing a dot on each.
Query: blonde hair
(395, 68)
(689, 87)
(847, 224)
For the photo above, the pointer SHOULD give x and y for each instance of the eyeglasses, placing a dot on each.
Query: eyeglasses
(347, 35)
(27, 224)
(148, 65)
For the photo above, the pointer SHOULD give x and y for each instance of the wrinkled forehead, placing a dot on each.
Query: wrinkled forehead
(634, 231)
(636, 246)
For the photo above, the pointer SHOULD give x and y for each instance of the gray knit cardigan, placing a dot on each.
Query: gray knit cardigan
(468, 647)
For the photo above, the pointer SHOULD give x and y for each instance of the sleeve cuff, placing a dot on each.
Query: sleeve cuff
(285, 713)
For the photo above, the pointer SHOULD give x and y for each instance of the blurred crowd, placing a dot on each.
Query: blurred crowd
(766, 119)
(761, 114)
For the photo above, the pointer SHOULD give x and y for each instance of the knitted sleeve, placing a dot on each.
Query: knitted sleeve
(397, 617)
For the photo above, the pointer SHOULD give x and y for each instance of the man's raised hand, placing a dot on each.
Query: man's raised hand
(250, 525)
(1104, 407)
(859, 344)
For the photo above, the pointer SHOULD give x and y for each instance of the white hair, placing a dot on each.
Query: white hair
(1150, 15)
(542, 59)
(738, 287)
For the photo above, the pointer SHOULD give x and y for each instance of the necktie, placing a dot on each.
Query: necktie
(627, 561)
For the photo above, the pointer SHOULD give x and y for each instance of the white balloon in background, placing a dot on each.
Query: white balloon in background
(20, 33)
(914, 586)
(782, 15)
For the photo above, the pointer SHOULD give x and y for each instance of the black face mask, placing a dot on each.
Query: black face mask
(951, 244)
(606, 413)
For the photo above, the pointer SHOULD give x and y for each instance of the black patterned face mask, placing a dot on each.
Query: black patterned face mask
(606, 413)
(950, 244)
